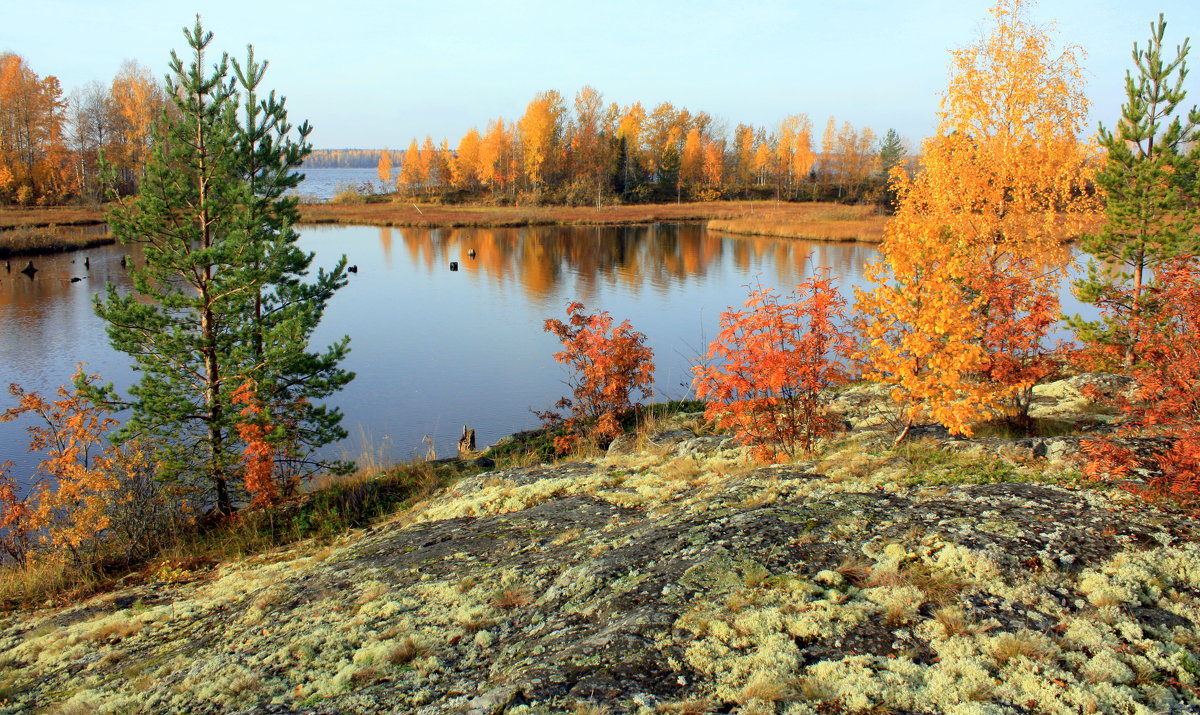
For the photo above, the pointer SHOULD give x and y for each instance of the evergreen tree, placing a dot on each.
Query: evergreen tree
(221, 302)
(891, 155)
(1149, 183)
(891, 152)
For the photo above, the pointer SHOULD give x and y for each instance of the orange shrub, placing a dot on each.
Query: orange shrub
(1166, 402)
(259, 454)
(773, 363)
(67, 505)
(608, 364)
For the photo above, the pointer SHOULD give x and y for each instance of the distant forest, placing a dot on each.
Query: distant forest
(587, 151)
(348, 158)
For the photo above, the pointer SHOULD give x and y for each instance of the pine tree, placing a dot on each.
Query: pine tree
(1150, 186)
(891, 152)
(221, 300)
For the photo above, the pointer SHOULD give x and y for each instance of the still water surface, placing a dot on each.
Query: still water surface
(436, 349)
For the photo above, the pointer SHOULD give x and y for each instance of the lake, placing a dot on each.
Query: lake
(322, 184)
(435, 349)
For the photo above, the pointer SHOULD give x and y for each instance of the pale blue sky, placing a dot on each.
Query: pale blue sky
(368, 73)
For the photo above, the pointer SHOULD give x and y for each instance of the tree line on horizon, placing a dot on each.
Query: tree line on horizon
(593, 152)
(52, 144)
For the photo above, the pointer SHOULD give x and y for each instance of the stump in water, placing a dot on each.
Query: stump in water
(29, 270)
(466, 443)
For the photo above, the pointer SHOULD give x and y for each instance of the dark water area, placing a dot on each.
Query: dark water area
(435, 349)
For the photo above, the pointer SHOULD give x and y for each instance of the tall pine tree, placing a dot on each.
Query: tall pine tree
(222, 301)
(1149, 180)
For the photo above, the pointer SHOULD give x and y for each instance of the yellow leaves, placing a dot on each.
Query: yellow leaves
(956, 315)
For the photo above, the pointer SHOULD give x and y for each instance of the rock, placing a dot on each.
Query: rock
(495, 701)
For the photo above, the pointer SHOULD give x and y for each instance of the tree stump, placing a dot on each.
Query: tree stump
(466, 443)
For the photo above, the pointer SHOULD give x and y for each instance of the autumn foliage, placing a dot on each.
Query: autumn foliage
(772, 364)
(964, 297)
(608, 365)
(259, 454)
(1166, 402)
(66, 508)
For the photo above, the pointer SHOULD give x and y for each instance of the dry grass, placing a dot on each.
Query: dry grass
(855, 569)
(511, 599)
(21, 241)
(406, 651)
(51, 216)
(1018, 645)
(406, 213)
(116, 631)
(952, 620)
(813, 221)
(687, 707)
(765, 688)
(39, 582)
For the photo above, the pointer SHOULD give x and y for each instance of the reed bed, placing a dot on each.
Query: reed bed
(26, 241)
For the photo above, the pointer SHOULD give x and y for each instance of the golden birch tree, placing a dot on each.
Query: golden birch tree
(960, 307)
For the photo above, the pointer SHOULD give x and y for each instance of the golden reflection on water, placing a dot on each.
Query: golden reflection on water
(541, 259)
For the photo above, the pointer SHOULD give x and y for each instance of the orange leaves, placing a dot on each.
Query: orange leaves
(773, 361)
(962, 304)
(1167, 400)
(16, 521)
(67, 502)
(609, 365)
(259, 454)
(540, 128)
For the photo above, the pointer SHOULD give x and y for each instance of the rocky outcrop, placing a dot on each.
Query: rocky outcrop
(675, 577)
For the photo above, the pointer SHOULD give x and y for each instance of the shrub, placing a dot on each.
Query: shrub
(773, 362)
(608, 365)
(1166, 402)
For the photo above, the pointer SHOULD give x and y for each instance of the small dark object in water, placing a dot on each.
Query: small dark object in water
(29, 270)
(454, 265)
(87, 263)
(124, 261)
(75, 279)
(471, 253)
(353, 269)
(7, 267)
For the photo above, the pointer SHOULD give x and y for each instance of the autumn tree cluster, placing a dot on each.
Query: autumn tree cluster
(589, 151)
(51, 142)
(228, 407)
(957, 317)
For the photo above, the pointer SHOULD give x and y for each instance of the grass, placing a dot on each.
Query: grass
(849, 221)
(332, 506)
(813, 221)
(338, 506)
(49, 216)
(33, 240)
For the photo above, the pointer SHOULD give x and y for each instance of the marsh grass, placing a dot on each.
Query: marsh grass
(821, 222)
(51, 239)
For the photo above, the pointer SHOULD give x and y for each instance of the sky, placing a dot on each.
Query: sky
(373, 73)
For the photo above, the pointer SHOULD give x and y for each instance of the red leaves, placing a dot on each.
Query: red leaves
(608, 363)
(259, 454)
(1167, 400)
(773, 362)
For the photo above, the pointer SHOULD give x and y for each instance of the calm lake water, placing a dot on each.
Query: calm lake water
(322, 184)
(436, 349)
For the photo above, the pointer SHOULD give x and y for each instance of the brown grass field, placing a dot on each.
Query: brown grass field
(43, 217)
(805, 220)
(30, 230)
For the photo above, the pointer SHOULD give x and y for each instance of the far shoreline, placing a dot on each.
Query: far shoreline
(40, 230)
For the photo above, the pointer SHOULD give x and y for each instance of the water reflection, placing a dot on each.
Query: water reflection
(541, 260)
(435, 349)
